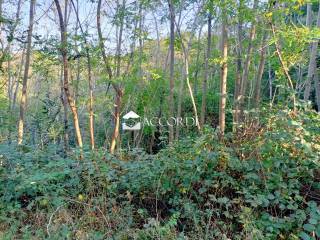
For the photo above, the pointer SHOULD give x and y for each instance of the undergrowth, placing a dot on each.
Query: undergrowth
(263, 184)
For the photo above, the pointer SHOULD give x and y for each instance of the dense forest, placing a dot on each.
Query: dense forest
(160, 119)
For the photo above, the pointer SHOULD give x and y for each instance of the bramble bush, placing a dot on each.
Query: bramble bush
(262, 183)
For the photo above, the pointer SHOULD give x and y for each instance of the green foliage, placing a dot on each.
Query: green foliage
(261, 186)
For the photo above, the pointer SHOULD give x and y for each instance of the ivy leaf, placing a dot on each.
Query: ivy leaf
(304, 236)
(318, 231)
(308, 227)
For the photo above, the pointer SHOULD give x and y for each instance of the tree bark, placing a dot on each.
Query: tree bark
(118, 97)
(8, 51)
(119, 43)
(116, 131)
(141, 19)
(224, 73)
(26, 75)
(179, 108)
(117, 88)
(239, 50)
(64, 52)
(238, 78)
(18, 79)
(90, 84)
(101, 42)
(270, 77)
(65, 116)
(246, 67)
(158, 51)
(206, 73)
(171, 85)
(309, 15)
(317, 88)
(76, 87)
(284, 66)
(257, 88)
(312, 63)
(185, 51)
(197, 63)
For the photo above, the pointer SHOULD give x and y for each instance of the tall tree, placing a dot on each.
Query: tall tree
(257, 89)
(185, 51)
(312, 62)
(246, 66)
(284, 65)
(64, 53)
(90, 83)
(64, 102)
(197, 61)
(63, 97)
(116, 87)
(185, 72)
(238, 78)
(317, 88)
(11, 80)
(171, 49)
(120, 14)
(8, 50)
(206, 73)
(26, 74)
(224, 73)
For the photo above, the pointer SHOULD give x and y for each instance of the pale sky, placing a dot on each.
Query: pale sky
(46, 19)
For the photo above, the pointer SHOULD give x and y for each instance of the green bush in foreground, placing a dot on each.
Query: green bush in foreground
(261, 185)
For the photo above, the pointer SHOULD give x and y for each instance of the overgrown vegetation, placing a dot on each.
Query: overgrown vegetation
(159, 119)
(263, 184)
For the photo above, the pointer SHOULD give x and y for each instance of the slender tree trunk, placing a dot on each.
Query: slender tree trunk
(101, 42)
(194, 106)
(309, 15)
(76, 88)
(8, 51)
(119, 93)
(238, 78)
(12, 93)
(140, 39)
(119, 44)
(63, 98)
(224, 73)
(65, 116)
(257, 88)
(18, 79)
(157, 57)
(64, 52)
(2, 57)
(116, 131)
(1, 2)
(284, 66)
(171, 86)
(317, 88)
(197, 63)
(118, 90)
(91, 114)
(312, 63)
(246, 67)
(179, 109)
(132, 48)
(270, 77)
(26, 75)
(206, 73)
(90, 84)
(185, 51)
